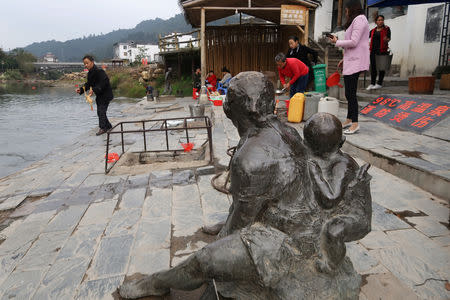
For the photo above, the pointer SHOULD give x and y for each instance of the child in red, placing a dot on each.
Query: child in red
(212, 79)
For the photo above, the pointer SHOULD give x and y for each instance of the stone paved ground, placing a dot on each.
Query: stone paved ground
(75, 233)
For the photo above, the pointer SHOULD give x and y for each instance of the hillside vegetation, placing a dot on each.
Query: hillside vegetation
(101, 46)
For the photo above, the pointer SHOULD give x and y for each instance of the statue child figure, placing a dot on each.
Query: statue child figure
(340, 187)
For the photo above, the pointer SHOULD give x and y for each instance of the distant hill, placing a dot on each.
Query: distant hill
(101, 46)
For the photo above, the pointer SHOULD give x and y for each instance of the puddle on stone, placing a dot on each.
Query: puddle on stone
(415, 154)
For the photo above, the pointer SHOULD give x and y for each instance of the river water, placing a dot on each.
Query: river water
(35, 121)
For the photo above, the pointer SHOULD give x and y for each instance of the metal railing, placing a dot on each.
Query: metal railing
(164, 127)
(173, 43)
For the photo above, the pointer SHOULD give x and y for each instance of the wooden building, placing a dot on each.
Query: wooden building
(247, 47)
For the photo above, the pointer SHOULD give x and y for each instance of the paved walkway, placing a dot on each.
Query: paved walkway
(72, 232)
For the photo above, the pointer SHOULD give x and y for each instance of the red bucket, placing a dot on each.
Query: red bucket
(334, 79)
(287, 106)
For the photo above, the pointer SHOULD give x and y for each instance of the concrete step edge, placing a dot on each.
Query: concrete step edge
(424, 179)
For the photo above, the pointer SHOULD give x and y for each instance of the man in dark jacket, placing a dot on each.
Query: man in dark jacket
(299, 51)
(99, 82)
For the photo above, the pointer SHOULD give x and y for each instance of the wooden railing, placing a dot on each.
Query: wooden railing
(173, 43)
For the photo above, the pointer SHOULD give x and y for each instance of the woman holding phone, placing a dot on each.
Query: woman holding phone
(356, 59)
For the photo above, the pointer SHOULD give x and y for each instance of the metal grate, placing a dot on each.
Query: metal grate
(147, 130)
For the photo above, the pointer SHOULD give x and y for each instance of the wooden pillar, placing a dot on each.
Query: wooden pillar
(179, 65)
(306, 27)
(340, 8)
(203, 46)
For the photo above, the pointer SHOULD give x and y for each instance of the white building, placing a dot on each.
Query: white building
(415, 50)
(131, 50)
(49, 57)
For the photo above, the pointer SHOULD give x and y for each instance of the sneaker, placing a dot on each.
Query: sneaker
(370, 87)
(351, 131)
(377, 86)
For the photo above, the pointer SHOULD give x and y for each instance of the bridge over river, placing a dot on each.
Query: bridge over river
(65, 66)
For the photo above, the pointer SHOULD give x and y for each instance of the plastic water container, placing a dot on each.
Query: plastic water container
(329, 105)
(203, 95)
(320, 78)
(296, 105)
(311, 104)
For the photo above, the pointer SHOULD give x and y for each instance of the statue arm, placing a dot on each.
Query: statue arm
(244, 213)
(329, 193)
(251, 191)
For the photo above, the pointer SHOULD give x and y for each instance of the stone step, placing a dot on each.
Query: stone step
(420, 172)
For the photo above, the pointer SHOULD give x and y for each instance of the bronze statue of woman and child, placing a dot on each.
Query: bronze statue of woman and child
(295, 204)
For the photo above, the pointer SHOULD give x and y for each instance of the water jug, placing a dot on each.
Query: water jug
(296, 105)
(329, 105)
(311, 104)
(203, 96)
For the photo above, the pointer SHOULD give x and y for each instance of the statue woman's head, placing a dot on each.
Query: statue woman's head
(250, 100)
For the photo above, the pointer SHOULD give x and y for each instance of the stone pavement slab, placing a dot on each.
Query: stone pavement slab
(12, 202)
(22, 284)
(386, 286)
(44, 251)
(62, 279)
(111, 258)
(82, 242)
(98, 213)
(133, 198)
(101, 289)
(186, 210)
(428, 226)
(158, 204)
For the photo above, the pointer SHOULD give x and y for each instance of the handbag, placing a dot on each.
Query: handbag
(383, 61)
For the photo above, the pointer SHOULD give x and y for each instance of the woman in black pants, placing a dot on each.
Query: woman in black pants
(356, 59)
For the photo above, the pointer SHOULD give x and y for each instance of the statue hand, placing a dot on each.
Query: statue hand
(362, 172)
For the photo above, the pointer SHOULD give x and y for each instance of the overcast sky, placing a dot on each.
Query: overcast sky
(23, 22)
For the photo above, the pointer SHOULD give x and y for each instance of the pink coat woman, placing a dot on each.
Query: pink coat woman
(356, 59)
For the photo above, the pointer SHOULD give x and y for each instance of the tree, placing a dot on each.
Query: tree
(141, 55)
(24, 60)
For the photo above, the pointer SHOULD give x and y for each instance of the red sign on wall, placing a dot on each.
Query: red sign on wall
(407, 112)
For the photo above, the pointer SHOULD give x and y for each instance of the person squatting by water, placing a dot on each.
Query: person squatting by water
(296, 70)
(99, 82)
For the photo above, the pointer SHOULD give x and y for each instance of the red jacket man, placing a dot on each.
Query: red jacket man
(294, 69)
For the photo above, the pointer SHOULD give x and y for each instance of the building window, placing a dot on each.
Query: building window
(124, 54)
(124, 47)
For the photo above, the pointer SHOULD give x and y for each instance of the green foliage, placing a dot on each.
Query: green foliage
(24, 60)
(17, 59)
(123, 85)
(182, 87)
(51, 75)
(116, 79)
(136, 91)
(159, 84)
(140, 56)
(13, 75)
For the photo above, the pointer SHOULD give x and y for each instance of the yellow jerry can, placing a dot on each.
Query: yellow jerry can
(296, 105)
